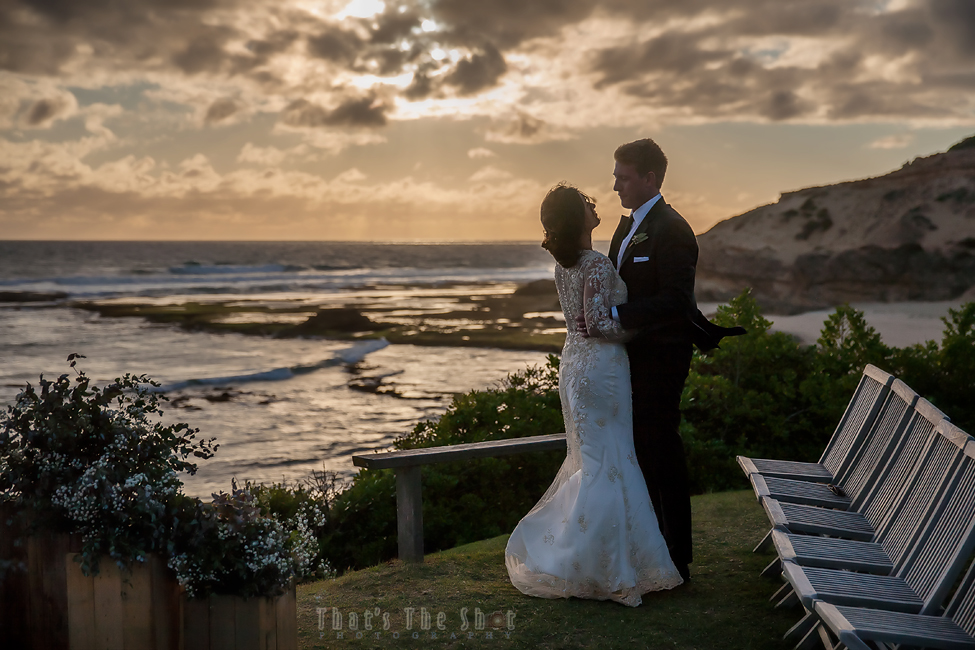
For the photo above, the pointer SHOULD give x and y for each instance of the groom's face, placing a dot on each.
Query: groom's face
(634, 190)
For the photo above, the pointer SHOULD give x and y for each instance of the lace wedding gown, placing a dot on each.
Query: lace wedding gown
(594, 533)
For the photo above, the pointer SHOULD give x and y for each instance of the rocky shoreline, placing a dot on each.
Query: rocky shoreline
(525, 318)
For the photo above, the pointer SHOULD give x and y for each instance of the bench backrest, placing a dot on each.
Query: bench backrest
(857, 420)
(961, 609)
(886, 432)
(947, 541)
(880, 501)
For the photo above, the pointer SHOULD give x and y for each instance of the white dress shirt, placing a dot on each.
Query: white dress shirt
(638, 216)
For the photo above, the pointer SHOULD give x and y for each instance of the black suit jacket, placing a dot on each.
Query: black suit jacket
(659, 274)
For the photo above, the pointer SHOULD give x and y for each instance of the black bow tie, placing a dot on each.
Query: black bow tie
(627, 220)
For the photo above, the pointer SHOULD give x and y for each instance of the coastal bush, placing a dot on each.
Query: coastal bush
(945, 373)
(301, 508)
(88, 460)
(79, 459)
(767, 395)
(463, 501)
(229, 546)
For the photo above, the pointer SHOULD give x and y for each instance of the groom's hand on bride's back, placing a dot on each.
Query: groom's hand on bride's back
(581, 326)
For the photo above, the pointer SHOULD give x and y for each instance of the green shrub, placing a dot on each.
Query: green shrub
(766, 395)
(229, 546)
(301, 508)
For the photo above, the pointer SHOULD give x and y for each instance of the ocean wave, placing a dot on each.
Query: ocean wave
(273, 278)
(228, 269)
(345, 356)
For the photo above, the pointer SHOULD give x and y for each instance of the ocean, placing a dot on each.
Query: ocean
(279, 408)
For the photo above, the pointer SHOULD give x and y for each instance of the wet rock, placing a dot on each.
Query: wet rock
(537, 288)
(343, 319)
(31, 296)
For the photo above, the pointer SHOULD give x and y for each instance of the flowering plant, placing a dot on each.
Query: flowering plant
(79, 459)
(229, 546)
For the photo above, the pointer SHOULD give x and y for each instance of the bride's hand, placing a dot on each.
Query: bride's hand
(581, 326)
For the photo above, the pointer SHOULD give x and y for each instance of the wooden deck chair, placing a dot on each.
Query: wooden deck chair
(854, 476)
(849, 435)
(787, 513)
(854, 627)
(874, 556)
(936, 553)
(873, 505)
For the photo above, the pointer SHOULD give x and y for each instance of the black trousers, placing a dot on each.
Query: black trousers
(658, 372)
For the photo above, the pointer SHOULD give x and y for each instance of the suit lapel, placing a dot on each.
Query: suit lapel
(621, 229)
(643, 228)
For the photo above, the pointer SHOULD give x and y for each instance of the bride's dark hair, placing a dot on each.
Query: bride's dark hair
(563, 213)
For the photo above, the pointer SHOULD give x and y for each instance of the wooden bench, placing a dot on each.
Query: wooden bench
(406, 464)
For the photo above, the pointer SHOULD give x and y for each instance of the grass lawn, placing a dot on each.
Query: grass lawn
(725, 606)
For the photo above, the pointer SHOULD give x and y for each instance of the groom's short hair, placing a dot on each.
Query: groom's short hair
(645, 156)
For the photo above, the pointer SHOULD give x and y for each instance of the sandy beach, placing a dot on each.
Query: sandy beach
(900, 324)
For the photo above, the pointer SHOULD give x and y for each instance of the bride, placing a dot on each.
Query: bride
(594, 533)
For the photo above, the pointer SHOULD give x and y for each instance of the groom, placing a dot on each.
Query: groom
(655, 252)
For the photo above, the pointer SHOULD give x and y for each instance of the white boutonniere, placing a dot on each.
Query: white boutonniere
(638, 238)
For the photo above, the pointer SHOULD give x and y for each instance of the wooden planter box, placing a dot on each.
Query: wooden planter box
(127, 611)
(235, 623)
(34, 603)
(54, 606)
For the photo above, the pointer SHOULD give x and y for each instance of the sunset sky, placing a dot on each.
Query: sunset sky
(449, 119)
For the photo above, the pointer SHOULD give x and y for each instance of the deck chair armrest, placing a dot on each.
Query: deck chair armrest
(759, 486)
(842, 628)
(800, 584)
(747, 466)
(783, 546)
(775, 514)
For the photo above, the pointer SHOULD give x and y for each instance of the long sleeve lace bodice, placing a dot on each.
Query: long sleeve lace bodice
(592, 287)
(593, 534)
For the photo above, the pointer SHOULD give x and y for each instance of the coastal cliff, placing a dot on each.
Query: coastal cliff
(908, 235)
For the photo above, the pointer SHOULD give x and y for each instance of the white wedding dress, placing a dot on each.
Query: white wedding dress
(594, 533)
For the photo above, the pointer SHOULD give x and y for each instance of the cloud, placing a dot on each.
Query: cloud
(490, 174)
(336, 44)
(956, 20)
(478, 71)
(350, 176)
(366, 111)
(761, 60)
(523, 128)
(507, 23)
(824, 60)
(95, 116)
(301, 86)
(267, 156)
(44, 112)
(898, 141)
(220, 110)
(141, 198)
(481, 152)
